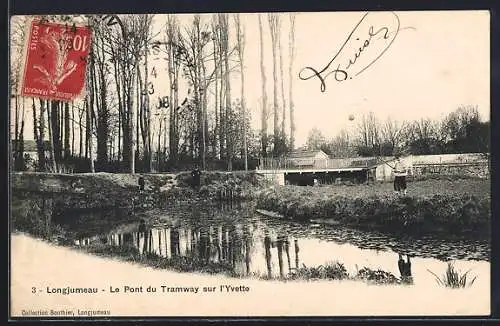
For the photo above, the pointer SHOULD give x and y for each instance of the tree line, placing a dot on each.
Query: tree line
(461, 131)
(122, 125)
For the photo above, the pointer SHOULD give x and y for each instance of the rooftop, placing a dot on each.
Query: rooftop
(305, 154)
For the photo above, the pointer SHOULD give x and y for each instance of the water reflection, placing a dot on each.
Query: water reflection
(255, 246)
(242, 246)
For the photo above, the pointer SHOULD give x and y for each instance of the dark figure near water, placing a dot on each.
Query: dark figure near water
(142, 226)
(141, 183)
(405, 269)
(196, 174)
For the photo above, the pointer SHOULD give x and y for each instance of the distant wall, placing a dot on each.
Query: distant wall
(480, 170)
(449, 158)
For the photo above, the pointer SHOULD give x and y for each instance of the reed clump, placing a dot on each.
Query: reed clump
(454, 278)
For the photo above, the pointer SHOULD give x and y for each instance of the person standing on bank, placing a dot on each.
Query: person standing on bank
(196, 174)
(141, 183)
(400, 173)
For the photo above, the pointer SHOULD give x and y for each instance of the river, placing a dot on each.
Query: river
(256, 245)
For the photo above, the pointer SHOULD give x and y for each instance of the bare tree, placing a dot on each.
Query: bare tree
(194, 46)
(240, 37)
(369, 130)
(227, 84)
(283, 99)
(50, 124)
(126, 48)
(264, 91)
(340, 146)
(39, 131)
(291, 50)
(392, 134)
(455, 124)
(173, 57)
(315, 139)
(100, 90)
(275, 27)
(17, 47)
(89, 105)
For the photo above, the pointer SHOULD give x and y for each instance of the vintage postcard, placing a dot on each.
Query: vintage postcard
(250, 164)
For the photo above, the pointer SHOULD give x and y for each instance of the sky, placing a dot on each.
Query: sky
(437, 61)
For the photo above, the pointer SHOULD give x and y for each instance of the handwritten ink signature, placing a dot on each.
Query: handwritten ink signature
(341, 72)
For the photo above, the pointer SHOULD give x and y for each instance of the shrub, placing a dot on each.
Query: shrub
(376, 276)
(332, 271)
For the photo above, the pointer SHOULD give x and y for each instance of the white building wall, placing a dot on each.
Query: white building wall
(278, 178)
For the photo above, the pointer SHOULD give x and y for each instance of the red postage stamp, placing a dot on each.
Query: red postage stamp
(56, 61)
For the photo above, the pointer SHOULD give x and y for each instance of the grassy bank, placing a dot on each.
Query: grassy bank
(445, 205)
(110, 188)
(459, 206)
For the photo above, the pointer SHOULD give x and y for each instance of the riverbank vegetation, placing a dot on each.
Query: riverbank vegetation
(459, 206)
(450, 205)
(122, 190)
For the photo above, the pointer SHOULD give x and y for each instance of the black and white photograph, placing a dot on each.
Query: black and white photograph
(250, 164)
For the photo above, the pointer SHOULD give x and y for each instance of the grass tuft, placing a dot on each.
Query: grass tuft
(454, 278)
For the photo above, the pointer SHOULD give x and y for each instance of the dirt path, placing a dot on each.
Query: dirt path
(35, 263)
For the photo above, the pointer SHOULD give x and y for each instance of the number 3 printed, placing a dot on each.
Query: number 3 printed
(150, 91)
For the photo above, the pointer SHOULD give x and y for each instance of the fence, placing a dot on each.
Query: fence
(304, 164)
(421, 163)
(450, 158)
